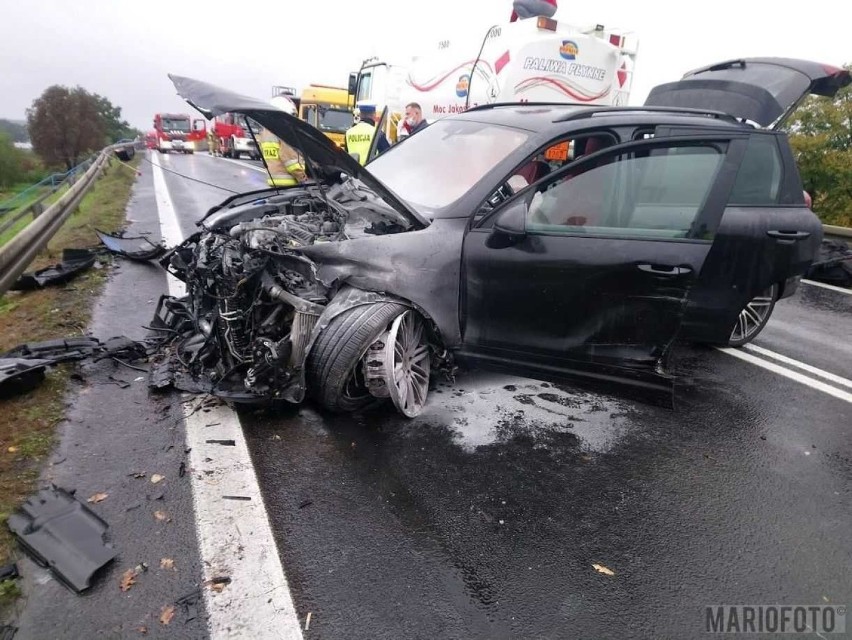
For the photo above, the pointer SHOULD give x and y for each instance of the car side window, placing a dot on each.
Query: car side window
(759, 178)
(548, 160)
(649, 193)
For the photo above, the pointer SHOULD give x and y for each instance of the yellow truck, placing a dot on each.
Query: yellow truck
(329, 109)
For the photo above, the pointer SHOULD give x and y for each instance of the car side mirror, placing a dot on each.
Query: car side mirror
(353, 83)
(510, 226)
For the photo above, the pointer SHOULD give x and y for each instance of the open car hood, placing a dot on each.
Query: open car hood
(322, 156)
(763, 90)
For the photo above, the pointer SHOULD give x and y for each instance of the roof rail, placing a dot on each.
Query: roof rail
(494, 105)
(710, 113)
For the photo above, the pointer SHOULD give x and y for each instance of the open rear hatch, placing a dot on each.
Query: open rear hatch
(763, 90)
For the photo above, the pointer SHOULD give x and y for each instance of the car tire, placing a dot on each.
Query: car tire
(753, 317)
(334, 378)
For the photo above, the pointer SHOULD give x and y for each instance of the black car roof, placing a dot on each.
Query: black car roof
(557, 119)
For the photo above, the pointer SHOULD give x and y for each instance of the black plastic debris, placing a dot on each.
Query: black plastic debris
(9, 572)
(833, 264)
(74, 262)
(133, 247)
(62, 533)
(22, 368)
(19, 375)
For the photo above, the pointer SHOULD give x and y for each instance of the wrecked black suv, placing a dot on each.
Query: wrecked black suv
(555, 241)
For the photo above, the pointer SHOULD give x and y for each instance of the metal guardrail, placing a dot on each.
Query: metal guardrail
(829, 230)
(52, 182)
(18, 253)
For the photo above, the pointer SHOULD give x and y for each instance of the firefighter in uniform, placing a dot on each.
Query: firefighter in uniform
(283, 161)
(212, 142)
(359, 137)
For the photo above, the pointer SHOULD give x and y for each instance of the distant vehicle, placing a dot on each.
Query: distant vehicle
(533, 60)
(329, 109)
(176, 132)
(232, 138)
(125, 149)
(151, 140)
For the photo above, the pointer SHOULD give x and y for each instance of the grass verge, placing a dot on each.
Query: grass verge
(27, 422)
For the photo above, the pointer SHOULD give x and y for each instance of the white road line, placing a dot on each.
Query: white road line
(241, 163)
(801, 365)
(789, 373)
(831, 287)
(234, 536)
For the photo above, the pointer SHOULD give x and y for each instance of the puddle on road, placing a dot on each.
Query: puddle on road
(481, 409)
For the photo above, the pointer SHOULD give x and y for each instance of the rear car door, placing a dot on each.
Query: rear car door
(592, 283)
(766, 241)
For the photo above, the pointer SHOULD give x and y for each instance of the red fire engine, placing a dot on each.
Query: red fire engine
(176, 132)
(231, 138)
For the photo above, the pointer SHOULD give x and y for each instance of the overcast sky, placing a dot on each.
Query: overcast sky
(123, 49)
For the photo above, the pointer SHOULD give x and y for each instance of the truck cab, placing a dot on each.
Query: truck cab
(327, 108)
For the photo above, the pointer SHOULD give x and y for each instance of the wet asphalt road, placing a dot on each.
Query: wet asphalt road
(483, 517)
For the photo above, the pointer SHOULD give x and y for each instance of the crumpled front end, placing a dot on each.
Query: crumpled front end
(242, 329)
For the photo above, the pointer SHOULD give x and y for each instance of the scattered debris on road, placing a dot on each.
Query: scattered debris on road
(167, 613)
(602, 569)
(133, 247)
(308, 621)
(167, 563)
(218, 583)
(19, 375)
(128, 579)
(157, 478)
(98, 497)
(9, 572)
(833, 264)
(22, 368)
(62, 533)
(74, 262)
(162, 516)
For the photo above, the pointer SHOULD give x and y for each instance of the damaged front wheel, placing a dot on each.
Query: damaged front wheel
(335, 374)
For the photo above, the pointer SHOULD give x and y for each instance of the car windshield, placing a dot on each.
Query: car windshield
(444, 161)
(175, 124)
(334, 120)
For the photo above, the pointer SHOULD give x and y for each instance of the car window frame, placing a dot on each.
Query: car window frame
(782, 178)
(715, 202)
(574, 135)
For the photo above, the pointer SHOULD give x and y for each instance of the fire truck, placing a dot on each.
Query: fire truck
(177, 132)
(231, 137)
(327, 108)
(532, 60)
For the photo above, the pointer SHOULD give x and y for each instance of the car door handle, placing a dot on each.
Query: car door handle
(790, 236)
(664, 269)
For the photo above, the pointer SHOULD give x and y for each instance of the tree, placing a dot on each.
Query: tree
(821, 137)
(65, 125)
(116, 128)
